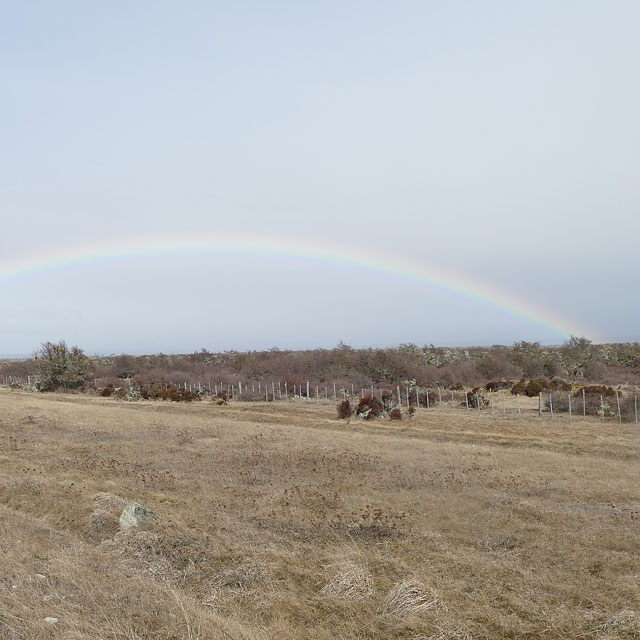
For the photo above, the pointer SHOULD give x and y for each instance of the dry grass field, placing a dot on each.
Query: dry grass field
(280, 521)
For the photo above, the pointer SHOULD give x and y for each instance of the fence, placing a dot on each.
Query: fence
(491, 402)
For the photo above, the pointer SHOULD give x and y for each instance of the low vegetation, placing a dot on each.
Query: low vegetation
(280, 520)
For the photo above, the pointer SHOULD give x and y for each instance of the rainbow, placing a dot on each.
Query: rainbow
(300, 249)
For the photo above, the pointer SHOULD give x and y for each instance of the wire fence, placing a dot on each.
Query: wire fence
(609, 405)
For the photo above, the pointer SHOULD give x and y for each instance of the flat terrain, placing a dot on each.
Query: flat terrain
(280, 521)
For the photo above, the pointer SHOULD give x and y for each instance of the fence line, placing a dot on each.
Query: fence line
(408, 397)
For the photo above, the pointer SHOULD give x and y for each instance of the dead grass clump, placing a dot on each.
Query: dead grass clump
(166, 555)
(104, 518)
(350, 581)
(411, 598)
(108, 502)
(395, 414)
(623, 624)
(242, 578)
(102, 525)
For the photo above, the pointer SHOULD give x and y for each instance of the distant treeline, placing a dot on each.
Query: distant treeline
(577, 360)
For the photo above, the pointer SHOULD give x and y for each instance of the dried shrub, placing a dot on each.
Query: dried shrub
(535, 387)
(344, 410)
(519, 388)
(475, 399)
(597, 390)
(369, 408)
(497, 385)
(395, 414)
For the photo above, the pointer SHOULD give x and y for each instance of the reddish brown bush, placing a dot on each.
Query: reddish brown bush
(369, 408)
(395, 414)
(597, 390)
(344, 410)
(518, 388)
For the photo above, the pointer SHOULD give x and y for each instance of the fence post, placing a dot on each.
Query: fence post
(407, 390)
(540, 404)
(307, 389)
(439, 397)
(334, 391)
(466, 399)
(504, 410)
(273, 391)
(618, 403)
(399, 396)
(569, 395)
(551, 405)
(602, 407)
(635, 406)
(518, 396)
(584, 405)
(428, 398)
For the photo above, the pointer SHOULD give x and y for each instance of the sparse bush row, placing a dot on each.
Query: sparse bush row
(61, 367)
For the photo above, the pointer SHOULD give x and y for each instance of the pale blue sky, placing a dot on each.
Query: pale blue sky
(499, 139)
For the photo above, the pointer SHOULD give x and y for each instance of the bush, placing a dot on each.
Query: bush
(369, 408)
(395, 414)
(535, 387)
(519, 388)
(344, 410)
(62, 367)
(475, 399)
(597, 390)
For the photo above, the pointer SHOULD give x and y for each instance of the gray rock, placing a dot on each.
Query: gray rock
(134, 514)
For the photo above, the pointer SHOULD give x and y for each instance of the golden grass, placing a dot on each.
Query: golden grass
(280, 521)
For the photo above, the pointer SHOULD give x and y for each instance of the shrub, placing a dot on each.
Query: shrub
(369, 408)
(535, 387)
(344, 410)
(475, 399)
(597, 390)
(107, 391)
(519, 388)
(62, 367)
(395, 414)
(498, 385)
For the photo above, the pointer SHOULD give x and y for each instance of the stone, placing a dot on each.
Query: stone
(134, 514)
(50, 620)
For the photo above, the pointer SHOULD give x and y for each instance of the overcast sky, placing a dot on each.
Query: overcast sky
(499, 140)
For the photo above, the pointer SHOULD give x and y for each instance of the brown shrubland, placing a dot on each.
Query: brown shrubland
(280, 521)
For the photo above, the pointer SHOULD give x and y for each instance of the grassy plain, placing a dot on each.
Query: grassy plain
(280, 521)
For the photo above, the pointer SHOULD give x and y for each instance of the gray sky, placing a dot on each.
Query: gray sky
(497, 140)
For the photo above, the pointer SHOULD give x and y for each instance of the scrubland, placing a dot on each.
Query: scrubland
(280, 521)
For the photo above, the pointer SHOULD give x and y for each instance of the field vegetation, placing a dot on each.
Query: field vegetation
(282, 520)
